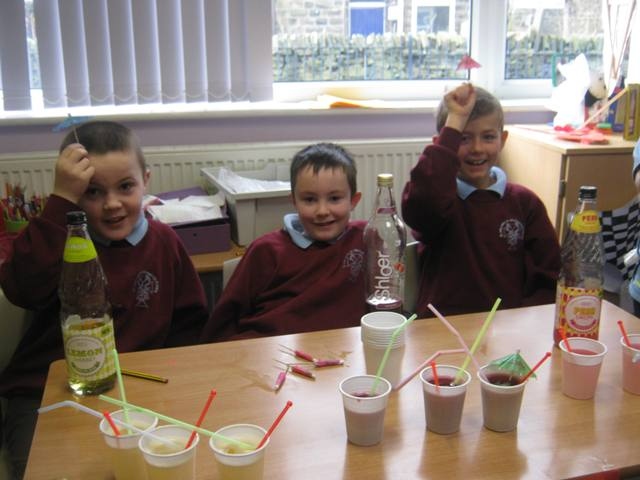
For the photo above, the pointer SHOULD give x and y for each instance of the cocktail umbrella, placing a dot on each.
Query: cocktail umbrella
(513, 364)
(70, 122)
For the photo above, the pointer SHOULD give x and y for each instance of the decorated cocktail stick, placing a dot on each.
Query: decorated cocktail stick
(177, 422)
(478, 340)
(317, 362)
(299, 354)
(455, 332)
(275, 424)
(298, 370)
(207, 404)
(282, 376)
(535, 367)
(424, 364)
(328, 363)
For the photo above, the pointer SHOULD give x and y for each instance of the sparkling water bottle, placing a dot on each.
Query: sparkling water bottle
(385, 238)
(85, 313)
(580, 283)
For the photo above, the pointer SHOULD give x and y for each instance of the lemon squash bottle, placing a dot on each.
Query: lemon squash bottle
(85, 312)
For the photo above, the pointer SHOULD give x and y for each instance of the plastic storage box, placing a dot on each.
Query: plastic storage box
(254, 213)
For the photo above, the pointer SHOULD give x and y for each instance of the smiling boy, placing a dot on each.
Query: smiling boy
(309, 275)
(483, 236)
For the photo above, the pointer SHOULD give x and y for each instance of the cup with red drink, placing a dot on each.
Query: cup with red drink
(502, 393)
(631, 363)
(581, 362)
(444, 394)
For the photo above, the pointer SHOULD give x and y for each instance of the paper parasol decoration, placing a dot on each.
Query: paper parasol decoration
(513, 364)
(467, 63)
(69, 122)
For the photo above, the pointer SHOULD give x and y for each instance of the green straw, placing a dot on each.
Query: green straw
(477, 341)
(121, 386)
(179, 423)
(383, 362)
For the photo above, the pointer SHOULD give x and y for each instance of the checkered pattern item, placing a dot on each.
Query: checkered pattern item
(620, 233)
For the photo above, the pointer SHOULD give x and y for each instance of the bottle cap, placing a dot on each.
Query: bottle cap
(588, 192)
(385, 179)
(76, 218)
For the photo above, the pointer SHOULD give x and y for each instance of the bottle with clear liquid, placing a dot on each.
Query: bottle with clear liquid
(580, 283)
(385, 238)
(85, 313)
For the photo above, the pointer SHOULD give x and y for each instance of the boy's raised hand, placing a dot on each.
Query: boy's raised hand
(73, 173)
(460, 103)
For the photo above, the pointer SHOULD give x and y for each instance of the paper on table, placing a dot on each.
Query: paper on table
(239, 184)
(189, 209)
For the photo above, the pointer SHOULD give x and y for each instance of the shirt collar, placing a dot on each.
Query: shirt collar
(135, 237)
(499, 185)
(295, 229)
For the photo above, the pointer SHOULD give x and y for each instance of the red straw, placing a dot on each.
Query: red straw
(563, 334)
(112, 423)
(275, 424)
(212, 394)
(546, 355)
(436, 380)
(624, 333)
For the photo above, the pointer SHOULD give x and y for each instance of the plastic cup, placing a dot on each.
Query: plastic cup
(169, 461)
(376, 330)
(364, 414)
(500, 401)
(581, 367)
(126, 459)
(234, 463)
(443, 404)
(631, 364)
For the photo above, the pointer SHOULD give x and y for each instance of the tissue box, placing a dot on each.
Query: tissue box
(208, 236)
(255, 213)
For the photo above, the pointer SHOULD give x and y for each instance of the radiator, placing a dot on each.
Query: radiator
(174, 168)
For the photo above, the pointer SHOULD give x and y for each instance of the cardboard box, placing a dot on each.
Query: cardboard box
(207, 236)
(255, 213)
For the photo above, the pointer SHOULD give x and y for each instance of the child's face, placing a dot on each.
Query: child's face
(324, 202)
(113, 200)
(482, 142)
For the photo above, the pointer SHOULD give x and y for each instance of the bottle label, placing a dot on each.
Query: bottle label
(385, 283)
(586, 222)
(88, 348)
(579, 310)
(79, 250)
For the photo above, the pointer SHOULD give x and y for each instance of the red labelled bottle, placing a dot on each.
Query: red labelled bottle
(85, 313)
(580, 283)
(385, 238)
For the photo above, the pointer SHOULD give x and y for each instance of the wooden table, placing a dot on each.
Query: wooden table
(557, 437)
(212, 262)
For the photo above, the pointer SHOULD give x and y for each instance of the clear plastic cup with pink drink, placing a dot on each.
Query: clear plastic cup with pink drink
(581, 362)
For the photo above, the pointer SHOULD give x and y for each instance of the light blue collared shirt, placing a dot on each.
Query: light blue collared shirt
(294, 228)
(498, 186)
(135, 237)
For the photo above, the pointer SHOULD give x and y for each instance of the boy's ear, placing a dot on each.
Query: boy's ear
(145, 177)
(355, 199)
(504, 135)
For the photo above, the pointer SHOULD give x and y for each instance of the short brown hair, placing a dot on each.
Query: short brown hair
(486, 104)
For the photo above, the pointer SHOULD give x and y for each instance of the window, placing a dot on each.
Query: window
(202, 51)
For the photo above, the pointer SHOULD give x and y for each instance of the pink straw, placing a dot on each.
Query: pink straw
(546, 355)
(424, 364)
(112, 423)
(624, 333)
(192, 437)
(275, 424)
(456, 333)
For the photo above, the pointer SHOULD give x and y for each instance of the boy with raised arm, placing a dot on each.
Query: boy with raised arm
(483, 237)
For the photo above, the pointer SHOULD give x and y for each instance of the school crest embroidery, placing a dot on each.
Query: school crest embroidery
(146, 284)
(512, 230)
(353, 260)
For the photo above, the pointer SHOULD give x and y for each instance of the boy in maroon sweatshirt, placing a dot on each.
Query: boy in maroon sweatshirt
(156, 296)
(483, 237)
(309, 275)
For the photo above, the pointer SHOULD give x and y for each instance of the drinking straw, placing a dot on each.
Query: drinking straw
(145, 376)
(455, 332)
(207, 404)
(535, 367)
(406, 380)
(563, 334)
(175, 421)
(275, 424)
(95, 413)
(113, 425)
(123, 396)
(624, 333)
(478, 339)
(436, 380)
(383, 362)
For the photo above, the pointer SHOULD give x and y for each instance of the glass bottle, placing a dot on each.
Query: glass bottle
(385, 238)
(85, 313)
(580, 283)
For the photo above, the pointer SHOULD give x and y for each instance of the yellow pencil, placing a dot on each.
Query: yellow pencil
(146, 376)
